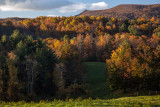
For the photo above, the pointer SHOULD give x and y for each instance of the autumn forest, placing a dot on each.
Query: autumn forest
(43, 58)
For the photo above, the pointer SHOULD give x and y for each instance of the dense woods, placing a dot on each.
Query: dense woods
(43, 57)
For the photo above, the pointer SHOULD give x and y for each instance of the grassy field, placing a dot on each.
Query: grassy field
(96, 80)
(141, 101)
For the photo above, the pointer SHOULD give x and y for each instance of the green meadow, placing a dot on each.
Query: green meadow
(140, 101)
(96, 79)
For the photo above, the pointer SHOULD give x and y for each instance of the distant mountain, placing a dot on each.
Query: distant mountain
(127, 11)
(12, 19)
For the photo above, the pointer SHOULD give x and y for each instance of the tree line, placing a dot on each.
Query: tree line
(57, 27)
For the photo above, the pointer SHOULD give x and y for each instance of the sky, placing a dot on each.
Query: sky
(35, 8)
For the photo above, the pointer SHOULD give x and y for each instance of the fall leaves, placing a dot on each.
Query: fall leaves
(134, 63)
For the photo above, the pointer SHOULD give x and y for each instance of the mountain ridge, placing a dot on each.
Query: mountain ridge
(131, 11)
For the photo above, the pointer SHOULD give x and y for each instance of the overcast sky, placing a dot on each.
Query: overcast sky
(35, 8)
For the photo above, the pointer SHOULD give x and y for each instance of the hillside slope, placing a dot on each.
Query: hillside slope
(127, 11)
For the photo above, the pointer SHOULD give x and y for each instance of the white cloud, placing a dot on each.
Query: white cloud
(73, 8)
(98, 6)
(62, 6)
(81, 6)
(36, 5)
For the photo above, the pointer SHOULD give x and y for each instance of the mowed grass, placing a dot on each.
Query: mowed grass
(96, 79)
(140, 101)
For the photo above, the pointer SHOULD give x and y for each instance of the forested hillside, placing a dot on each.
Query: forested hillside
(44, 57)
(126, 11)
